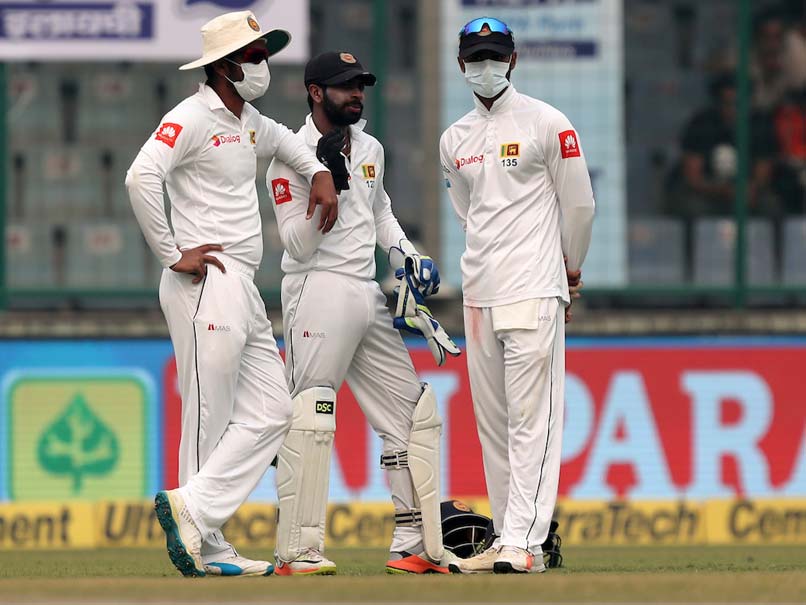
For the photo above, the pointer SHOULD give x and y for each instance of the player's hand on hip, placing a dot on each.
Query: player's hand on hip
(195, 261)
(323, 194)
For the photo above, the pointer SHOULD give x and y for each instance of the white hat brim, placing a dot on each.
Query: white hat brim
(274, 40)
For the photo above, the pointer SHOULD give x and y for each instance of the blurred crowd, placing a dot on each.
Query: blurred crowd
(703, 183)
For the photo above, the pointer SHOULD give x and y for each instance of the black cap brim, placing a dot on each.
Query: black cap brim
(366, 78)
(497, 47)
(276, 40)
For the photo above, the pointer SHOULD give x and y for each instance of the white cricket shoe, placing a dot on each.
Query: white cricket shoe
(481, 563)
(182, 536)
(512, 559)
(233, 564)
(310, 562)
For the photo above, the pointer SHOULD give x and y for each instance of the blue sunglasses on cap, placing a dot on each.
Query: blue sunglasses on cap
(477, 25)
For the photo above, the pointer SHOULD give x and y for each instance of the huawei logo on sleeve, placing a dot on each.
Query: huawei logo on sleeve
(168, 133)
(569, 146)
(281, 190)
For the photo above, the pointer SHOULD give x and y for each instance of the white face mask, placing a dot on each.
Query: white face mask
(255, 81)
(487, 78)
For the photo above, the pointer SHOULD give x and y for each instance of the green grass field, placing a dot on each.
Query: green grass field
(592, 575)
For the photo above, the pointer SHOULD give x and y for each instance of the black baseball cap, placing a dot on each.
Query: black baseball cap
(337, 67)
(486, 33)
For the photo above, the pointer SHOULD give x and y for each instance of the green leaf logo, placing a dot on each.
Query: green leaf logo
(78, 444)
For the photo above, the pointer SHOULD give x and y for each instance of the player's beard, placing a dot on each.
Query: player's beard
(338, 114)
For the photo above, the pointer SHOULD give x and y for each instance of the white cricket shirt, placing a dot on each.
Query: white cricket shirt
(365, 211)
(207, 158)
(517, 179)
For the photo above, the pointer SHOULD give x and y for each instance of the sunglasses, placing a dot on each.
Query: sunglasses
(493, 24)
(250, 55)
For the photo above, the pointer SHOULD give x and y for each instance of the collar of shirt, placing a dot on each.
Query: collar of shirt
(503, 103)
(214, 102)
(312, 134)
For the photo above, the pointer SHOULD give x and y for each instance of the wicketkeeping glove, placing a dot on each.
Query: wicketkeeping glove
(328, 151)
(423, 324)
(420, 271)
(413, 316)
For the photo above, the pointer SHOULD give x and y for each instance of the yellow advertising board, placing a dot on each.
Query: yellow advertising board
(756, 521)
(133, 524)
(47, 525)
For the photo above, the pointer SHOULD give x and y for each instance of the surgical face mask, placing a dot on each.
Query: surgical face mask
(487, 78)
(255, 83)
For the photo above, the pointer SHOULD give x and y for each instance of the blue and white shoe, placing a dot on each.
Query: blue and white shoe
(182, 536)
(233, 564)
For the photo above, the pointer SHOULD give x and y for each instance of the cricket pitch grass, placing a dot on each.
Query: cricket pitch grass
(747, 574)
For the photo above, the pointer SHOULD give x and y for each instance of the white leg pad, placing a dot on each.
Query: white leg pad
(423, 462)
(303, 473)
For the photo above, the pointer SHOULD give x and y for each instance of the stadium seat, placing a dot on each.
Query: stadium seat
(105, 255)
(761, 265)
(794, 253)
(714, 245)
(656, 251)
(31, 115)
(29, 255)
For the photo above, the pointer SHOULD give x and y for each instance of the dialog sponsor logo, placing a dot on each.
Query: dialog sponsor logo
(471, 159)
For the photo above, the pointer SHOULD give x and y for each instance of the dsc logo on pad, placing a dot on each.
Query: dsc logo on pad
(324, 407)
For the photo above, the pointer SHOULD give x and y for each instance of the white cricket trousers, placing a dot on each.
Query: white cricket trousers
(338, 327)
(516, 367)
(236, 409)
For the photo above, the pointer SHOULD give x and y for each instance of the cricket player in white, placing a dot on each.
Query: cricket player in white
(517, 179)
(236, 409)
(337, 327)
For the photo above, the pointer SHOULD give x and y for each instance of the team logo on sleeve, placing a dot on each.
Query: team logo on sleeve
(281, 191)
(510, 150)
(368, 170)
(168, 133)
(569, 146)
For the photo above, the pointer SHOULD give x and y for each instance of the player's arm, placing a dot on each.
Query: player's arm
(458, 191)
(420, 270)
(569, 172)
(290, 192)
(167, 148)
(277, 140)
(388, 231)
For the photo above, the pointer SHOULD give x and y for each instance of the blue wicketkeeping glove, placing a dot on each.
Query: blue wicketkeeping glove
(424, 324)
(413, 316)
(420, 271)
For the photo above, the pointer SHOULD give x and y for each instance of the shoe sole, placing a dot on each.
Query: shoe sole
(252, 574)
(453, 568)
(414, 565)
(177, 551)
(507, 567)
(322, 571)
(404, 572)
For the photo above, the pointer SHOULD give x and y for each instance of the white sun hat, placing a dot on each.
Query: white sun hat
(227, 33)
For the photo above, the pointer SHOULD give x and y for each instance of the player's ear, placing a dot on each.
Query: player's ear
(317, 93)
(221, 69)
(461, 64)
